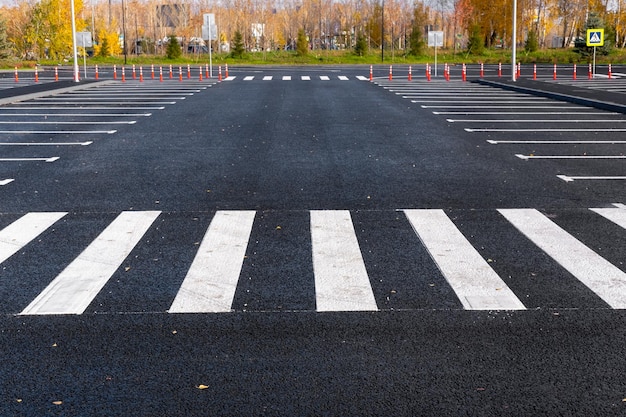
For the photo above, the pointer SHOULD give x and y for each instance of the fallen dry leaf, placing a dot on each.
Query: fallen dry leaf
(57, 402)
(201, 386)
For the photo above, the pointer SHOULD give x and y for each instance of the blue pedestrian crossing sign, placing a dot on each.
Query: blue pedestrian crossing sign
(595, 37)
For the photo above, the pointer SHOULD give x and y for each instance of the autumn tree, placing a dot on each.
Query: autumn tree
(302, 45)
(416, 40)
(5, 45)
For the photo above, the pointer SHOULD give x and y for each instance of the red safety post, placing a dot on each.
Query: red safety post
(499, 69)
(371, 73)
(56, 73)
(519, 70)
(180, 74)
(226, 71)
(219, 73)
(410, 74)
(134, 73)
(123, 75)
(97, 74)
(390, 73)
(554, 73)
(534, 71)
(140, 74)
(115, 72)
(200, 72)
(36, 75)
(590, 72)
(188, 71)
(464, 73)
(207, 71)
(446, 72)
(574, 73)
(482, 70)
(171, 73)
(610, 72)
(161, 74)
(17, 78)
(428, 72)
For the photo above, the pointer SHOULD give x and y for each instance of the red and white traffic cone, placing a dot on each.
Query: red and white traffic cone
(610, 72)
(590, 72)
(180, 74)
(371, 73)
(115, 72)
(206, 71)
(123, 75)
(464, 73)
(534, 71)
(554, 73)
(200, 73)
(574, 73)
(161, 74)
(219, 73)
(188, 71)
(499, 69)
(97, 75)
(152, 71)
(17, 78)
(410, 74)
(519, 70)
(482, 70)
(390, 72)
(226, 70)
(36, 75)
(56, 73)
(171, 73)
(140, 74)
(134, 73)
(428, 72)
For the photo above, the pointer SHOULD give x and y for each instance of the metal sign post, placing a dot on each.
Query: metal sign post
(209, 32)
(435, 38)
(84, 39)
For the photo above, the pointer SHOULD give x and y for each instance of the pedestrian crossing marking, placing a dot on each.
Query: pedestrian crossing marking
(211, 281)
(476, 284)
(599, 275)
(72, 290)
(341, 280)
(25, 229)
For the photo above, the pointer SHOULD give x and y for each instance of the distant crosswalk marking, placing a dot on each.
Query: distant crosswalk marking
(74, 288)
(306, 78)
(16, 235)
(324, 78)
(211, 281)
(286, 77)
(470, 276)
(602, 277)
(341, 280)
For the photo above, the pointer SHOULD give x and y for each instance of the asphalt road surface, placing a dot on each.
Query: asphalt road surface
(304, 242)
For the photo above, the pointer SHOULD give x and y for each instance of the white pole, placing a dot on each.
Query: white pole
(76, 71)
(514, 41)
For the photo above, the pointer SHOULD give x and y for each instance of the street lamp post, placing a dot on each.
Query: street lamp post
(514, 43)
(75, 51)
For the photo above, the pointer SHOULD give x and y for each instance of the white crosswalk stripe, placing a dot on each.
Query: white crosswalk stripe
(338, 265)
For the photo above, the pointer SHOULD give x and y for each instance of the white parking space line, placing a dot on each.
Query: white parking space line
(471, 130)
(341, 280)
(535, 121)
(521, 113)
(555, 142)
(61, 122)
(286, 77)
(75, 287)
(527, 157)
(248, 78)
(487, 106)
(324, 78)
(59, 115)
(211, 282)
(51, 159)
(305, 78)
(57, 132)
(571, 178)
(6, 181)
(22, 231)
(599, 275)
(268, 78)
(46, 143)
(475, 283)
(343, 78)
(617, 215)
(85, 107)
(112, 103)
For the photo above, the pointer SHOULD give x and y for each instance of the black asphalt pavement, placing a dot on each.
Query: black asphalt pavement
(282, 149)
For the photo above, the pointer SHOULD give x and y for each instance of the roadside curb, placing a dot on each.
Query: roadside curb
(51, 91)
(603, 105)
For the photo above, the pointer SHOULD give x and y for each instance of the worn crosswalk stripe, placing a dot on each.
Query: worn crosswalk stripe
(599, 275)
(476, 284)
(341, 280)
(19, 233)
(616, 215)
(75, 287)
(210, 283)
